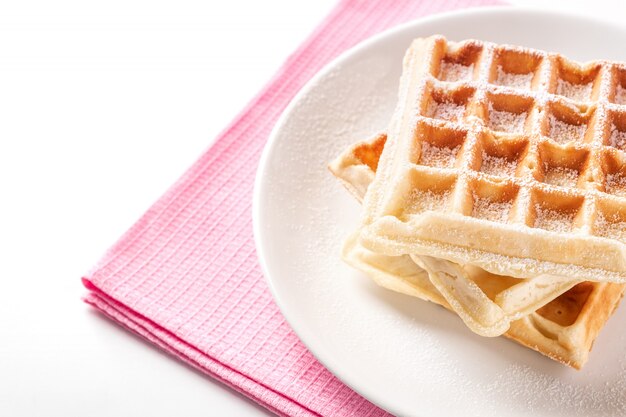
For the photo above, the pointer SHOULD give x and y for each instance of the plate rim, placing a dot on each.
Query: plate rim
(303, 335)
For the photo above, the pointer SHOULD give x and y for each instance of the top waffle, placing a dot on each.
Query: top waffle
(506, 158)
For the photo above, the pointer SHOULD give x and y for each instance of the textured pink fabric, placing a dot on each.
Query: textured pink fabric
(186, 277)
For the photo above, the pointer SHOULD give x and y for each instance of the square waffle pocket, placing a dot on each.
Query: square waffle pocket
(505, 158)
(560, 320)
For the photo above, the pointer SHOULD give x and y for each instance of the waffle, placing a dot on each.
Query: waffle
(487, 304)
(506, 158)
(563, 329)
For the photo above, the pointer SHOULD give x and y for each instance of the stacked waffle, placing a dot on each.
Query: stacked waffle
(499, 192)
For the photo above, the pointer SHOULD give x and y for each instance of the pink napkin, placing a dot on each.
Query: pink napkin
(186, 276)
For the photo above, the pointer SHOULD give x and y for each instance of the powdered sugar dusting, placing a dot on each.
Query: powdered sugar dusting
(540, 392)
(561, 176)
(611, 228)
(445, 110)
(618, 138)
(440, 157)
(504, 121)
(496, 165)
(616, 184)
(491, 210)
(509, 79)
(451, 71)
(553, 220)
(578, 92)
(424, 200)
(563, 132)
(620, 95)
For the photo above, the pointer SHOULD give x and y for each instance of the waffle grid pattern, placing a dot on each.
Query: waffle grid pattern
(542, 147)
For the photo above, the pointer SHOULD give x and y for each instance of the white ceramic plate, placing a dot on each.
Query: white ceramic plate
(408, 356)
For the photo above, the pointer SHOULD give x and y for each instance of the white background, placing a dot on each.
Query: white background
(85, 89)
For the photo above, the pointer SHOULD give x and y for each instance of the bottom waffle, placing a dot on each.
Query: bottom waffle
(566, 321)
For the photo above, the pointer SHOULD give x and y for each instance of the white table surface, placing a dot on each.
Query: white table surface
(85, 87)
